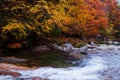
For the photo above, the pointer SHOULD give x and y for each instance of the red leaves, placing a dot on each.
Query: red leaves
(91, 19)
(14, 45)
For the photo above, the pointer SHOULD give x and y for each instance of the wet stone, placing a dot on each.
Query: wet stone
(32, 78)
(7, 72)
(11, 60)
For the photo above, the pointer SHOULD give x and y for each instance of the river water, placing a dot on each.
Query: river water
(102, 63)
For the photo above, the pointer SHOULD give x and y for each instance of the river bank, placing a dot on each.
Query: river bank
(97, 65)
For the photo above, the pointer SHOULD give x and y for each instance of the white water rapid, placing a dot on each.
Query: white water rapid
(102, 63)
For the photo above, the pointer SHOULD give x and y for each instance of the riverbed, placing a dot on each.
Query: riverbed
(102, 63)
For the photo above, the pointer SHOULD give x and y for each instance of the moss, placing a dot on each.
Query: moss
(78, 45)
(101, 42)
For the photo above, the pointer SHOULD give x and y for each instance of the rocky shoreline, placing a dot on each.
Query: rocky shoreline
(7, 70)
(10, 69)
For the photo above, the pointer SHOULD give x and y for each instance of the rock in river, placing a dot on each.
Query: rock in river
(11, 73)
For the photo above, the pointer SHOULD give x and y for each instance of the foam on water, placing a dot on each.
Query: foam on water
(6, 77)
(95, 65)
(91, 71)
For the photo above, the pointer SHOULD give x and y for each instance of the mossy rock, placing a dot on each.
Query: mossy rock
(78, 45)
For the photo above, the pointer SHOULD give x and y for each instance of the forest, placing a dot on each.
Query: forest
(59, 39)
(25, 21)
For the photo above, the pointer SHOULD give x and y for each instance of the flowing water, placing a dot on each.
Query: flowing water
(100, 64)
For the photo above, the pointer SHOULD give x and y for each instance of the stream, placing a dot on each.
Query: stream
(102, 63)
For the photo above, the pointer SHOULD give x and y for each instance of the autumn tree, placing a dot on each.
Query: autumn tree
(113, 14)
(25, 19)
(88, 18)
(29, 19)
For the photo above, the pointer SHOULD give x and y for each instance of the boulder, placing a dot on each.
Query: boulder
(41, 48)
(5, 66)
(65, 47)
(33, 78)
(7, 72)
(68, 47)
(91, 46)
(77, 56)
(110, 41)
(12, 60)
(116, 43)
(83, 49)
(77, 53)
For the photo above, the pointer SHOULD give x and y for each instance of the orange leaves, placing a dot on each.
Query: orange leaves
(99, 19)
(90, 17)
(81, 17)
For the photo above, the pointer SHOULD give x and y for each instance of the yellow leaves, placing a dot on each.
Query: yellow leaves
(14, 29)
(109, 30)
(39, 33)
(60, 17)
(46, 26)
(12, 25)
(29, 27)
(42, 4)
(35, 9)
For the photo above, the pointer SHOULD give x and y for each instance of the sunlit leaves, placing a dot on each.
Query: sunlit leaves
(14, 30)
(89, 17)
(42, 17)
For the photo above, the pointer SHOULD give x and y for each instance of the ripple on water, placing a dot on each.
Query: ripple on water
(94, 66)
(102, 66)
(2, 77)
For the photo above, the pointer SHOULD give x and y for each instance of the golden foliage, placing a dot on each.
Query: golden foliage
(14, 29)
